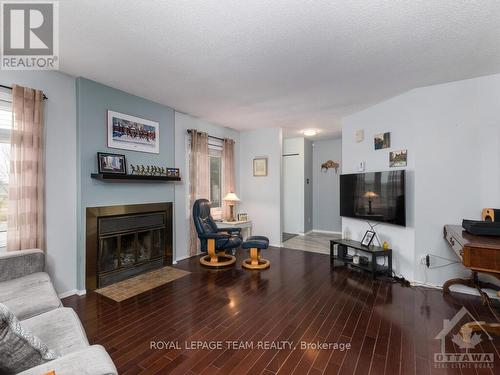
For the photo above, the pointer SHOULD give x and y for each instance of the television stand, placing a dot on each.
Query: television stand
(373, 252)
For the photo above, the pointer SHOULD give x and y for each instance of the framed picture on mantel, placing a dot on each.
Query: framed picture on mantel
(111, 163)
(127, 132)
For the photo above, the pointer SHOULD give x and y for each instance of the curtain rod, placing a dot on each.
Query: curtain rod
(209, 136)
(10, 88)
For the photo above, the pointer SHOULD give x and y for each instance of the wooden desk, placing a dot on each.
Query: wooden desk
(479, 254)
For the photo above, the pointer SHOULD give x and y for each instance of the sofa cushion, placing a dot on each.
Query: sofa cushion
(20, 349)
(19, 263)
(59, 329)
(92, 360)
(29, 295)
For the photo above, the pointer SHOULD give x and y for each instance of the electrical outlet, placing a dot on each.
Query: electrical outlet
(423, 260)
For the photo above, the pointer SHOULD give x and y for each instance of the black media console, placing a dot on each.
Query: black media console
(373, 252)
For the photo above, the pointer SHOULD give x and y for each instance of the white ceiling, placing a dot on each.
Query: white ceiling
(282, 63)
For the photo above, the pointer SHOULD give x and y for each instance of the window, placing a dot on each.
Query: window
(215, 160)
(5, 127)
(215, 181)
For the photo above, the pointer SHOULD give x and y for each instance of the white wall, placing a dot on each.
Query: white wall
(452, 133)
(261, 196)
(326, 187)
(60, 170)
(457, 163)
(395, 116)
(293, 185)
(181, 207)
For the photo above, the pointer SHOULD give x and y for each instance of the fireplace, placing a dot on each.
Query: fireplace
(124, 241)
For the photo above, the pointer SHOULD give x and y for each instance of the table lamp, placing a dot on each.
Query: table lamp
(370, 195)
(231, 198)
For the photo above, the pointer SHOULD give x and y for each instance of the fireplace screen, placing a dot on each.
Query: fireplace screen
(129, 245)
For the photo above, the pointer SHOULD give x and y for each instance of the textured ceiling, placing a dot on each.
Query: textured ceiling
(283, 63)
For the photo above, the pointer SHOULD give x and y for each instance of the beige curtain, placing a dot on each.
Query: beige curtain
(198, 180)
(228, 164)
(26, 211)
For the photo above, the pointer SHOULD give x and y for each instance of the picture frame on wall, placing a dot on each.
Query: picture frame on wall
(398, 158)
(111, 163)
(260, 167)
(368, 238)
(382, 140)
(126, 132)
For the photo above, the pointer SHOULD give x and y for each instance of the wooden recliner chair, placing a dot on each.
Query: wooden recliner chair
(215, 241)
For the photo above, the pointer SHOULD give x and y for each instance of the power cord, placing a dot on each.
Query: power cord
(450, 261)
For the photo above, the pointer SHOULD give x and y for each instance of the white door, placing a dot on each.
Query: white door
(293, 194)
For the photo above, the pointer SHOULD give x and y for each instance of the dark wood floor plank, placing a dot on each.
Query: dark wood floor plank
(391, 329)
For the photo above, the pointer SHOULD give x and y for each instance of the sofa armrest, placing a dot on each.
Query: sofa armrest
(214, 235)
(93, 360)
(14, 264)
(230, 230)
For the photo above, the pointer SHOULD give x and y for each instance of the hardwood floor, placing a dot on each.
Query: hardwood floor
(390, 328)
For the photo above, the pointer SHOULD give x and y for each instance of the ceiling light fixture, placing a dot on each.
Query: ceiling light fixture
(310, 132)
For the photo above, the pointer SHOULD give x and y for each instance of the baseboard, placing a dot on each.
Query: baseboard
(68, 293)
(300, 233)
(72, 292)
(457, 289)
(326, 232)
(188, 257)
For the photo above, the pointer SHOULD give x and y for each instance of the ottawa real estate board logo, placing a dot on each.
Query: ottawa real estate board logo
(467, 338)
(30, 35)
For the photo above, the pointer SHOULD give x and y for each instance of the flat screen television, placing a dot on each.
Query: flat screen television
(374, 196)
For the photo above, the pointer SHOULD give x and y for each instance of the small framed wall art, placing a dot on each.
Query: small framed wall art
(260, 167)
(111, 163)
(382, 140)
(133, 133)
(398, 158)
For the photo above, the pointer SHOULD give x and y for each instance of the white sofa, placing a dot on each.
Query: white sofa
(28, 292)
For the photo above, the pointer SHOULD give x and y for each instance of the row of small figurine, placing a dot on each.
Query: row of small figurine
(152, 170)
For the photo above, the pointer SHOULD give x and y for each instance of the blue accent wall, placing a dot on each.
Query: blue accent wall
(93, 102)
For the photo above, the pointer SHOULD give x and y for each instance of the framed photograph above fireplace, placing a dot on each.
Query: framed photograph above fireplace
(111, 163)
(133, 133)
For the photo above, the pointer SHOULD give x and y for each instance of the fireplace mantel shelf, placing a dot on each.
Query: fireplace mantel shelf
(112, 177)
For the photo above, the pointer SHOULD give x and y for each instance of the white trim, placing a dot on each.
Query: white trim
(68, 293)
(72, 292)
(326, 231)
(456, 288)
(187, 257)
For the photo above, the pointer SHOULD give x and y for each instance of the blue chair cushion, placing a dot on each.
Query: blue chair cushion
(258, 238)
(259, 244)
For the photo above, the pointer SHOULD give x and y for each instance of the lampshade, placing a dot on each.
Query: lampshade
(231, 197)
(370, 194)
